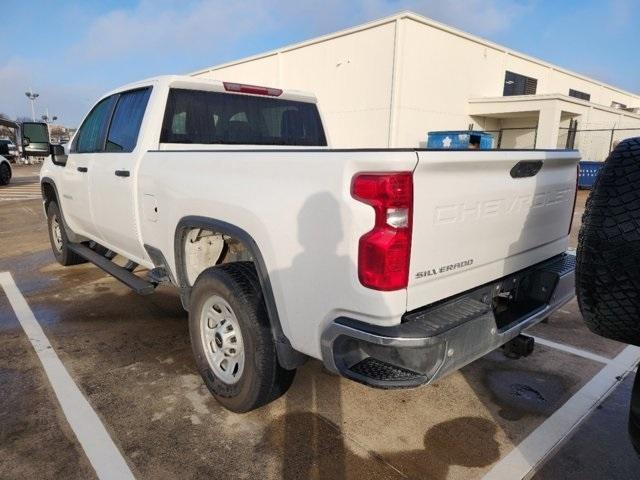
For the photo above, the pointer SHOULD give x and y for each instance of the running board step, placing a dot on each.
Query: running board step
(137, 284)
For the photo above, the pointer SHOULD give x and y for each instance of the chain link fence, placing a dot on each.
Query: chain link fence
(514, 138)
(594, 144)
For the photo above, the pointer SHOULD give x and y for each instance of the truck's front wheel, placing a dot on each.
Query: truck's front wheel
(58, 238)
(231, 338)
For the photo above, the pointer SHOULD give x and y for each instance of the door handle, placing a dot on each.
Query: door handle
(83, 169)
(122, 173)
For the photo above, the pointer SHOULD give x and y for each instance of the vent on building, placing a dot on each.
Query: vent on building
(516, 84)
(618, 105)
(579, 94)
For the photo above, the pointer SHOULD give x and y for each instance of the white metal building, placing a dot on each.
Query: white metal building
(387, 83)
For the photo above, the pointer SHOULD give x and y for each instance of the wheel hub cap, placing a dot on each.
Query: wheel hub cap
(222, 340)
(56, 233)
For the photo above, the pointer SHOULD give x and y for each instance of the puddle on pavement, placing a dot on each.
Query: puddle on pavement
(521, 392)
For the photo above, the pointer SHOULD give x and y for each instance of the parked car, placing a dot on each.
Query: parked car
(392, 266)
(608, 273)
(5, 171)
(12, 152)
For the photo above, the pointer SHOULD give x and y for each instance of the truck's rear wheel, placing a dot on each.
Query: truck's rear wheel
(608, 256)
(232, 341)
(58, 238)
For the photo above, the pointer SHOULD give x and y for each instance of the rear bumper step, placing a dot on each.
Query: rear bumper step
(126, 276)
(441, 338)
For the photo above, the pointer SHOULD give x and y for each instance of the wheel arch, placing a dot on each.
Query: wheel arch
(288, 357)
(50, 193)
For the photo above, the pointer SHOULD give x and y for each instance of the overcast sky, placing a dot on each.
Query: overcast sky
(71, 52)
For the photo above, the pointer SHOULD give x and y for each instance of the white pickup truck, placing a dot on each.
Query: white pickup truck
(392, 266)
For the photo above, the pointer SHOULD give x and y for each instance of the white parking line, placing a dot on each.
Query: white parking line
(104, 456)
(528, 456)
(574, 351)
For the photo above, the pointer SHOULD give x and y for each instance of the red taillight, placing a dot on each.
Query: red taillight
(384, 252)
(253, 89)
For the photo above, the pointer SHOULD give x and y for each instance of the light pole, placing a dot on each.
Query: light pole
(47, 118)
(32, 96)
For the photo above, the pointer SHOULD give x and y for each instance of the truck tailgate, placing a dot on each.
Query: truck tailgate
(478, 217)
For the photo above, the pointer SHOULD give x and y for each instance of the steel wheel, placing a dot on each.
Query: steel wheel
(222, 340)
(56, 233)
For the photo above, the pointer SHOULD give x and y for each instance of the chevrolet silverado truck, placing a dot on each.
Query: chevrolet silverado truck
(394, 267)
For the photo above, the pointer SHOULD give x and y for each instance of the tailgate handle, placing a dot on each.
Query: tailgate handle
(122, 173)
(526, 168)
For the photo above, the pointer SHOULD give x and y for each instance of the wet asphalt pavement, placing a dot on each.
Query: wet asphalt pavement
(130, 356)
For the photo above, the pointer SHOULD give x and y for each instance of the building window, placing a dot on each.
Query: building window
(579, 94)
(618, 105)
(516, 84)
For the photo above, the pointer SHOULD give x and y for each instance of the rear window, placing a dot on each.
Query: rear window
(194, 116)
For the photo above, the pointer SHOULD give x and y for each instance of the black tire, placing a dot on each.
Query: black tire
(634, 414)
(5, 173)
(608, 256)
(262, 379)
(60, 249)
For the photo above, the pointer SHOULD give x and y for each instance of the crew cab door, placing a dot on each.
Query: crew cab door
(113, 180)
(87, 145)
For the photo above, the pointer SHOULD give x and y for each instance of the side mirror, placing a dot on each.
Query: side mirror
(35, 139)
(58, 155)
(4, 149)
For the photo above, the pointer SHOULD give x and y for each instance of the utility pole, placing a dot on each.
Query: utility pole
(32, 97)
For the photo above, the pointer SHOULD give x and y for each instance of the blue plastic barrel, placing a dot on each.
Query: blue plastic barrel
(588, 173)
(459, 139)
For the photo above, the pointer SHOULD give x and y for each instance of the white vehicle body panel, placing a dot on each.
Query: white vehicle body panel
(297, 206)
(475, 223)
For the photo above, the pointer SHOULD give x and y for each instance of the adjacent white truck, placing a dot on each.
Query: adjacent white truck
(393, 267)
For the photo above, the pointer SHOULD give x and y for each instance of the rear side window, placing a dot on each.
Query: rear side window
(127, 117)
(194, 116)
(90, 137)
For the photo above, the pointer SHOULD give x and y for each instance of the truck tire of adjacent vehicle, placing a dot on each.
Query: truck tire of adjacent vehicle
(5, 173)
(231, 338)
(58, 237)
(608, 256)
